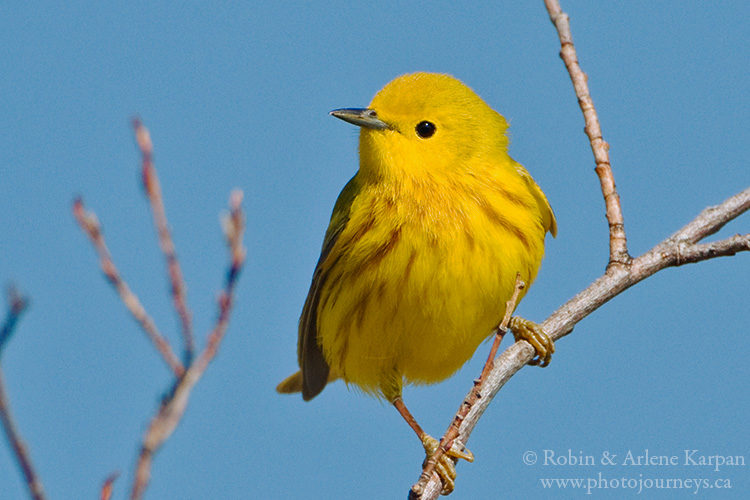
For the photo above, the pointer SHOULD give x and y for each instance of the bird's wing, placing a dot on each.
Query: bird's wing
(548, 216)
(315, 369)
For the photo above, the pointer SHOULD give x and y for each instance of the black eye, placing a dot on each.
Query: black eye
(425, 129)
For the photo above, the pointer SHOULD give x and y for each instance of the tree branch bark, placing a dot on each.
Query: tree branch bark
(622, 271)
(679, 249)
(90, 225)
(16, 306)
(173, 405)
(153, 192)
(618, 244)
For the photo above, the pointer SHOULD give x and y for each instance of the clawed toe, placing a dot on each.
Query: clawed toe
(532, 333)
(445, 466)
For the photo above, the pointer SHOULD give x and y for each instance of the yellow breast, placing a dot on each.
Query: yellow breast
(421, 273)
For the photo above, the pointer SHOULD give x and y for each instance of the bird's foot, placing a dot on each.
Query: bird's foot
(445, 466)
(532, 333)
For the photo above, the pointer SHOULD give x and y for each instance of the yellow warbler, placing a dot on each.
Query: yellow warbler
(423, 247)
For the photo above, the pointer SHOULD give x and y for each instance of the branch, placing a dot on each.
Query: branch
(153, 191)
(723, 248)
(680, 248)
(446, 442)
(16, 306)
(90, 225)
(106, 492)
(618, 244)
(622, 271)
(173, 406)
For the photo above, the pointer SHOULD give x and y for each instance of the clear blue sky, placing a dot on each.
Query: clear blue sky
(239, 96)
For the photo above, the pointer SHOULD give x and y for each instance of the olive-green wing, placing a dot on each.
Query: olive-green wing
(315, 369)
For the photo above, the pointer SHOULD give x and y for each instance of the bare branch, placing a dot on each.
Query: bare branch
(153, 191)
(106, 491)
(453, 430)
(712, 219)
(16, 306)
(622, 272)
(723, 248)
(90, 225)
(681, 248)
(234, 227)
(173, 406)
(618, 245)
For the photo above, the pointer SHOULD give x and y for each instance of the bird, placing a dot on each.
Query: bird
(422, 250)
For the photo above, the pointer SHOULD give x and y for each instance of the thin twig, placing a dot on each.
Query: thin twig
(153, 192)
(724, 248)
(173, 406)
(622, 271)
(618, 245)
(107, 486)
(233, 225)
(90, 225)
(16, 306)
(680, 248)
(474, 395)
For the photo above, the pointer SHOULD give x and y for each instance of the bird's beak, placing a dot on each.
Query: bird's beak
(361, 117)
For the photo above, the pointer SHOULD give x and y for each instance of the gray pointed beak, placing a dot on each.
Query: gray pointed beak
(361, 117)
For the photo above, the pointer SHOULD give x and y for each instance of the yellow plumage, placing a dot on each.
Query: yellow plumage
(424, 242)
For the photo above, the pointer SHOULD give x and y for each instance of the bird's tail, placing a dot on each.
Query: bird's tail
(291, 384)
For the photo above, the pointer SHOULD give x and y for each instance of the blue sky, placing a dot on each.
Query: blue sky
(238, 96)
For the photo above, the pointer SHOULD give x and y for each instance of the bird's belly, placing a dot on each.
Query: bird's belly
(417, 308)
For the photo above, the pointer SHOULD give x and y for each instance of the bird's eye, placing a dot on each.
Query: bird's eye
(425, 129)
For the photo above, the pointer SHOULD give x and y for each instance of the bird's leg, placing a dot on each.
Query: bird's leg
(445, 466)
(532, 333)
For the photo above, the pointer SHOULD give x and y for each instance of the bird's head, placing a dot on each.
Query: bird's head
(426, 124)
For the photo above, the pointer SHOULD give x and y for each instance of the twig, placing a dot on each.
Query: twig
(16, 306)
(90, 225)
(618, 245)
(680, 248)
(453, 429)
(174, 403)
(106, 491)
(173, 406)
(723, 248)
(153, 191)
(622, 271)
(233, 225)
